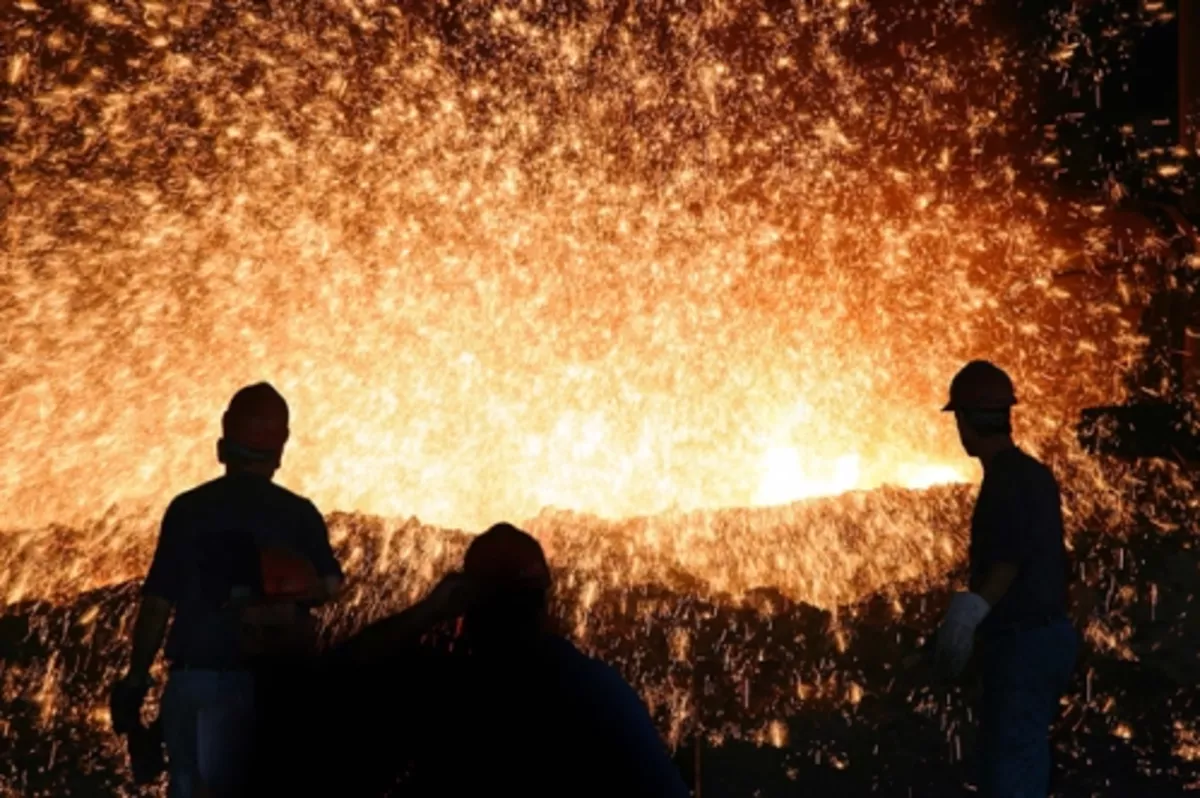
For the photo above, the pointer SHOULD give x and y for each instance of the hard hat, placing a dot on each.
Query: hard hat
(505, 556)
(981, 385)
(256, 424)
(286, 573)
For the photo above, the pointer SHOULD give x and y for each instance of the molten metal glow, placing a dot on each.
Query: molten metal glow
(529, 260)
(501, 260)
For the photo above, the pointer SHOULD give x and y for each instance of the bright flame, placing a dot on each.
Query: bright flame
(620, 261)
(926, 476)
(590, 263)
(789, 477)
(594, 276)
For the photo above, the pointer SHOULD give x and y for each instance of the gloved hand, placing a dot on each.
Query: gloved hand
(956, 635)
(125, 702)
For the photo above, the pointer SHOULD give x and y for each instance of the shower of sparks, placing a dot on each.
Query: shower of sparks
(538, 260)
(502, 258)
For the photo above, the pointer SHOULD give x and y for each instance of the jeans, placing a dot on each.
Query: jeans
(1025, 673)
(208, 727)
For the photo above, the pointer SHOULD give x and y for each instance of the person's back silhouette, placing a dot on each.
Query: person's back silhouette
(516, 708)
(225, 552)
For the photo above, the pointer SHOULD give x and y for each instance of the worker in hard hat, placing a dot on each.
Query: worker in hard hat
(239, 560)
(517, 708)
(1014, 614)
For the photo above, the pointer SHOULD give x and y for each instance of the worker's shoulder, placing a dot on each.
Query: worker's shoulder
(282, 494)
(595, 680)
(225, 490)
(1030, 472)
(194, 497)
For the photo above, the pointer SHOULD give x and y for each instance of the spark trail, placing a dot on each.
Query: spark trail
(509, 256)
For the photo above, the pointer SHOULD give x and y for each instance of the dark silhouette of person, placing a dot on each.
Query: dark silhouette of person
(239, 561)
(1014, 615)
(513, 708)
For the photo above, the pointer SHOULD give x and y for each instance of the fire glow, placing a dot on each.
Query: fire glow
(504, 260)
(703, 269)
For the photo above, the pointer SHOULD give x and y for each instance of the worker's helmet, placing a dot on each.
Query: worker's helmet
(286, 573)
(981, 385)
(505, 557)
(255, 427)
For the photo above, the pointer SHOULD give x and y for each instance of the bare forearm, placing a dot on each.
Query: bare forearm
(997, 581)
(413, 622)
(398, 631)
(148, 632)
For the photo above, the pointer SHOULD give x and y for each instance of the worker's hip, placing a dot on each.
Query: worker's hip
(1040, 655)
(999, 628)
(1025, 673)
(208, 728)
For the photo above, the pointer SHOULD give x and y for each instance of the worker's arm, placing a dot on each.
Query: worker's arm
(406, 625)
(320, 553)
(1004, 539)
(1009, 543)
(148, 632)
(997, 581)
(160, 592)
(447, 601)
(967, 611)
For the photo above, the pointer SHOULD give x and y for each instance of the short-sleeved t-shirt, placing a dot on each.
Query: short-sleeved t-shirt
(209, 544)
(1018, 520)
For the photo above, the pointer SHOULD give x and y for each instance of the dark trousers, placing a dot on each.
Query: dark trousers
(208, 726)
(1025, 673)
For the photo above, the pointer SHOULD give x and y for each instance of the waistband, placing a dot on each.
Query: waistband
(200, 666)
(1026, 623)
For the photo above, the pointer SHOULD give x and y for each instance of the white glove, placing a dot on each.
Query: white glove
(956, 636)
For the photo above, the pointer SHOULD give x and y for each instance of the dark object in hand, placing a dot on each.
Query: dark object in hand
(125, 705)
(278, 629)
(146, 759)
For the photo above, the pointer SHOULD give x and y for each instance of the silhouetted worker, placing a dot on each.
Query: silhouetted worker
(522, 711)
(1017, 602)
(239, 560)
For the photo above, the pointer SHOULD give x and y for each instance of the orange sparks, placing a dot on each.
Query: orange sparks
(557, 264)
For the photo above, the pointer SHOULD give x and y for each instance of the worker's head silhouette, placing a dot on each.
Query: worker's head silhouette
(981, 397)
(512, 579)
(254, 430)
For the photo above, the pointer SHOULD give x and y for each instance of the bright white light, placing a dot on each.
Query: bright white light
(788, 476)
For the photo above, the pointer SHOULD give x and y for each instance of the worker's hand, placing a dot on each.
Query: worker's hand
(318, 593)
(452, 596)
(274, 613)
(125, 702)
(956, 636)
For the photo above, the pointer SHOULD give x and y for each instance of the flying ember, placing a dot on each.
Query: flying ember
(678, 286)
(501, 259)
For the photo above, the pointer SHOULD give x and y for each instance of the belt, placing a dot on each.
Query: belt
(199, 666)
(1025, 623)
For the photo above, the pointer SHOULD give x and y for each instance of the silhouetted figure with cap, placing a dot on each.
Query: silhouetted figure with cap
(239, 561)
(1016, 605)
(515, 708)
